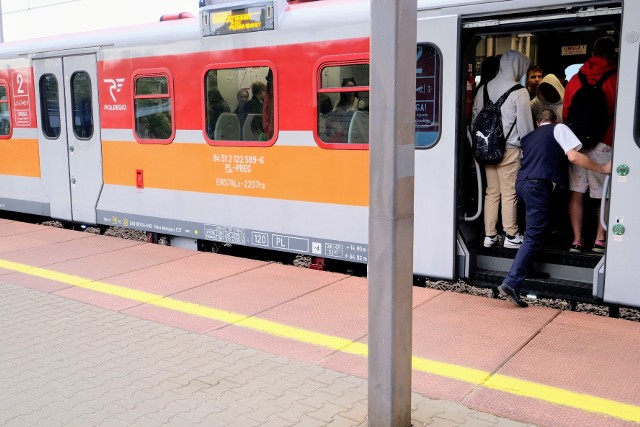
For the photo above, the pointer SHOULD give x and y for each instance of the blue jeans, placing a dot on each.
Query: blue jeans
(536, 197)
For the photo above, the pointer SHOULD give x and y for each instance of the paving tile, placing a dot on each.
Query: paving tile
(262, 412)
(232, 412)
(339, 421)
(276, 421)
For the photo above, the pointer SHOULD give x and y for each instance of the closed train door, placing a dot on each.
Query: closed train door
(434, 211)
(69, 135)
(623, 232)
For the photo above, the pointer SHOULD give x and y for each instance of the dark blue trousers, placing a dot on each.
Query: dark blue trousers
(536, 196)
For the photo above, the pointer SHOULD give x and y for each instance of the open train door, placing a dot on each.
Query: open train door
(69, 135)
(623, 232)
(435, 186)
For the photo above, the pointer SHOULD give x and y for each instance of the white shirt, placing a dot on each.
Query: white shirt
(565, 137)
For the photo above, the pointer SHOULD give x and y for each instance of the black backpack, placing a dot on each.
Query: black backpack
(588, 114)
(487, 137)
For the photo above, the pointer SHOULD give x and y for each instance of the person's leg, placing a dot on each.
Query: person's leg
(491, 201)
(601, 233)
(601, 154)
(576, 211)
(536, 198)
(600, 244)
(578, 185)
(507, 174)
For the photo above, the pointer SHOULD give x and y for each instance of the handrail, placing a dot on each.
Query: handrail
(479, 181)
(603, 201)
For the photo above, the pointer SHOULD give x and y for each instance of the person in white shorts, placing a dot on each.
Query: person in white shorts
(601, 62)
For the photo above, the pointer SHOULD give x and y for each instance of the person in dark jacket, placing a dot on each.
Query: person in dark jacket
(216, 105)
(488, 70)
(243, 98)
(543, 152)
(254, 106)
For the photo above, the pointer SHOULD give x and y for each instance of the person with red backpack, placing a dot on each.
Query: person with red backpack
(589, 109)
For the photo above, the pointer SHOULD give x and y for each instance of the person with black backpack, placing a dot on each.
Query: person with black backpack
(499, 120)
(589, 109)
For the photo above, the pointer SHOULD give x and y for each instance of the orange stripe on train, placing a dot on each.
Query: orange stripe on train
(292, 173)
(23, 156)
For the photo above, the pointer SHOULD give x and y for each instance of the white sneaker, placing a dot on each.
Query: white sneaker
(515, 242)
(489, 242)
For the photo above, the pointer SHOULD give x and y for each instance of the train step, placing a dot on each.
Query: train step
(548, 256)
(538, 285)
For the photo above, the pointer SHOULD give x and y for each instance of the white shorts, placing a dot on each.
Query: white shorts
(580, 178)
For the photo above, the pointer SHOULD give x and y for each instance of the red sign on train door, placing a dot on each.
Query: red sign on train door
(21, 100)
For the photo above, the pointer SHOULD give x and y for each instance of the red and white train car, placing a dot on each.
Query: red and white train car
(138, 127)
(112, 128)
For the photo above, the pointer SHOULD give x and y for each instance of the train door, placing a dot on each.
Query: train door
(559, 39)
(621, 285)
(69, 135)
(435, 214)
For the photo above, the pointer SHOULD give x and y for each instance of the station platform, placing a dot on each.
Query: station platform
(98, 330)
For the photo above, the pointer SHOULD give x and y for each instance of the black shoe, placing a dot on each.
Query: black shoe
(508, 292)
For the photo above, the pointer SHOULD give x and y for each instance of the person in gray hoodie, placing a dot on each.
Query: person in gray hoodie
(501, 178)
(548, 97)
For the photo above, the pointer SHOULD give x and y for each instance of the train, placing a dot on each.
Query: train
(143, 127)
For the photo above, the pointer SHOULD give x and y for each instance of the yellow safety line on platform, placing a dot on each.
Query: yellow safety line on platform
(584, 402)
(499, 382)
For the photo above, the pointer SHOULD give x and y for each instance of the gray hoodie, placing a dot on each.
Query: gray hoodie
(513, 66)
(540, 103)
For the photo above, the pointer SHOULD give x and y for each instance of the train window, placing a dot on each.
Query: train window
(343, 106)
(81, 105)
(428, 90)
(238, 106)
(153, 108)
(5, 123)
(50, 106)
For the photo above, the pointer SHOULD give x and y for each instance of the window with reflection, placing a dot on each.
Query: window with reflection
(239, 105)
(5, 122)
(49, 106)
(343, 105)
(428, 92)
(152, 108)
(82, 109)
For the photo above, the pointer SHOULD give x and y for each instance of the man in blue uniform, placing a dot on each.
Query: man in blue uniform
(543, 152)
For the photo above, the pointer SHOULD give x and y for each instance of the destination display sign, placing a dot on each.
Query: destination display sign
(237, 19)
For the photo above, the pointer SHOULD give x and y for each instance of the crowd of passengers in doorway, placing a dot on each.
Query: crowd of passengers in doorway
(573, 217)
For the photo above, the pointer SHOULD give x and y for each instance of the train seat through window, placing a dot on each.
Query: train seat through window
(359, 128)
(252, 127)
(227, 128)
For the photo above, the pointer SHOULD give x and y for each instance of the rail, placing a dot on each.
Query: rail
(603, 201)
(479, 182)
